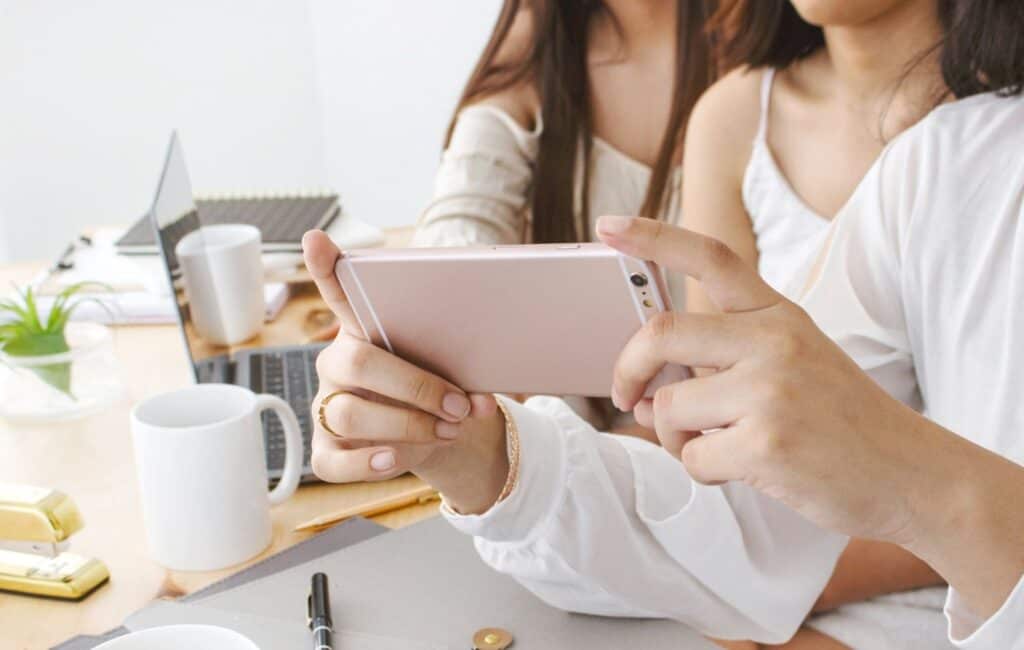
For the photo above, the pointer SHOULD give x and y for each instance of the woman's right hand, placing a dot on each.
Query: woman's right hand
(385, 416)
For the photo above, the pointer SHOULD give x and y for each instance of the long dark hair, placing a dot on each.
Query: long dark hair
(982, 49)
(556, 63)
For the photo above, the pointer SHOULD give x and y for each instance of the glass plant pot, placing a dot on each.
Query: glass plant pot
(71, 384)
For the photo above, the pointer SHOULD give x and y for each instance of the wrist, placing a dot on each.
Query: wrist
(968, 524)
(471, 472)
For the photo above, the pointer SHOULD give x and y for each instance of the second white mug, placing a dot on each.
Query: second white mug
(223, 275)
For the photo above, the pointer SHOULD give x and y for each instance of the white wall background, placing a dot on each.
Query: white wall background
(390, 72)
(269, 95)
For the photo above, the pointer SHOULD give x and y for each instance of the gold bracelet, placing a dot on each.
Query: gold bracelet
(512, 447)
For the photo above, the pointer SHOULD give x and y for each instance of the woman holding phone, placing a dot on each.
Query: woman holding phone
(765, 166)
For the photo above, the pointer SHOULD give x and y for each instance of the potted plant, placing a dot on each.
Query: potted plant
(75, 364)
(31, 334)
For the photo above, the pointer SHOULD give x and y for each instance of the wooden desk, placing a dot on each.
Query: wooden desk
(91, 459)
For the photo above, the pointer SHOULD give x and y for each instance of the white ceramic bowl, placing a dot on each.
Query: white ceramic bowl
(177, 637)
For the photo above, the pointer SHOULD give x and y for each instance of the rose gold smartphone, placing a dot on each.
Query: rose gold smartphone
(537, 319)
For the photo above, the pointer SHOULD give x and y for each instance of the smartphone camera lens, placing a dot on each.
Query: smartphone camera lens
(638, 279)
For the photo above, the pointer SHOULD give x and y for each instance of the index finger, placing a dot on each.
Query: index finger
(694, 340)
(321, 256)
(729, 281)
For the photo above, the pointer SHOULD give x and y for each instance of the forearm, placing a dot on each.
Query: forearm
(970, 524)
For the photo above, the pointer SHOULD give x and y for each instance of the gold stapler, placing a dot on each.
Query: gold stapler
(35, 524)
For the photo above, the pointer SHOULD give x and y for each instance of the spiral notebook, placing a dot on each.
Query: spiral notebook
(282, 220)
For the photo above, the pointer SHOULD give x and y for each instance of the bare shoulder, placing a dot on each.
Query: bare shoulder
(725, 118)
(719, 141)
(521, 101)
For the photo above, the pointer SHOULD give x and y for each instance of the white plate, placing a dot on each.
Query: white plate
(178, 637)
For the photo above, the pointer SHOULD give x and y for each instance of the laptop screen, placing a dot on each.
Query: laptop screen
(174, 215)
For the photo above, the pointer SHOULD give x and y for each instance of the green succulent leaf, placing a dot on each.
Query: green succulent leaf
(31, 311)
(12, 307)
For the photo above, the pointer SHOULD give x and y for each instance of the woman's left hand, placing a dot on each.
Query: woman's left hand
(384, 416)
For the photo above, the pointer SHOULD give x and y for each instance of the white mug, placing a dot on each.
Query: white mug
(202, 471)
(223, 276)
(175, 637)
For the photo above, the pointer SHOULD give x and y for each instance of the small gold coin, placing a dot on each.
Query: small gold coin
(491, 638)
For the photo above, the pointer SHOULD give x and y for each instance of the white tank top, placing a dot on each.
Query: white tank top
(788, 231)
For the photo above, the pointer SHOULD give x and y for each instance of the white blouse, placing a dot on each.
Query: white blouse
(922, 286)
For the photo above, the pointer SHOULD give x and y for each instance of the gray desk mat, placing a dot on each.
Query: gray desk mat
(266, 633)
(425, 583)
(337, 537)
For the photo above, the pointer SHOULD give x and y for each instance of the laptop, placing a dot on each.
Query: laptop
(288, 372)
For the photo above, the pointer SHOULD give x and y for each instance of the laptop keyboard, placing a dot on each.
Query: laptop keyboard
(291, 375)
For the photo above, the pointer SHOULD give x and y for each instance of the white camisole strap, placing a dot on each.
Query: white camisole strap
(766, 97)
(786, 229)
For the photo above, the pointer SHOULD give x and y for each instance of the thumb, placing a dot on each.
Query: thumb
(729, 281)
(321, 256)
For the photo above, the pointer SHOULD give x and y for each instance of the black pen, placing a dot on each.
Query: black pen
(318, 607)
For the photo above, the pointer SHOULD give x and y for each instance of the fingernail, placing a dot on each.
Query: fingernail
(615, 399)
(382, 461)
(455, 405)
(446, 430)
(613, 225)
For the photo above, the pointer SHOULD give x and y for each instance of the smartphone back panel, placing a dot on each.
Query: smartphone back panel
(537, 319)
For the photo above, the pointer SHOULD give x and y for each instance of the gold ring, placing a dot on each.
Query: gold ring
(322, 412)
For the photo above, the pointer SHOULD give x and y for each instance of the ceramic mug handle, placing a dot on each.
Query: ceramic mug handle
(293, 446)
